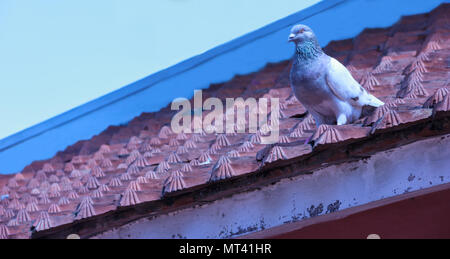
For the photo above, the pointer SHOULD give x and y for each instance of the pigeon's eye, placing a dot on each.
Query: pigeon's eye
(301, 30)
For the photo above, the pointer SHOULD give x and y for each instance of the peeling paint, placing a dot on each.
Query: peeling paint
(332, 207)
(315, 211)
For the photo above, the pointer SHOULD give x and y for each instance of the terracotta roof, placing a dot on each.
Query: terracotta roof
(144, 165)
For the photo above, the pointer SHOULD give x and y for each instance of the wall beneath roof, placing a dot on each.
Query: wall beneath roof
(408, 168)
(331, 20)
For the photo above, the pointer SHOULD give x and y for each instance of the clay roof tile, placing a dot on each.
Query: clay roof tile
(369, 81)
(162, 167)
(106, 163)
(97, 193)
(151, 175)
(123, 152)
(4, 231)
(174, 182)
(173, 158)
(377, 115)
(284, 139)
(246, 147)
(402, 65)
(186, 168)
(72, 195)
(222, 140)
(9, 213)
(54, 208)
(389, 119)
(129, 197)
(33, 183)
(142, 179)
(126, 177)
(204, 158)
(75, 174)
(13, 223)
(134, 169)
(182, 150)
(68, 167)
(437, 97)
(194, 162)
(104, 188)
(174, 142)
(43, 222)
(48, 168)
(85, 209)
(134, 185)
(92, 183)
(222, 169)
(190, 144)
(276, 153)
(41, 175)
(255, 138)
(330, 135)
(233, 153)
(297, 133)
(23, 216)
(384, 65)
(443, 105)
(182, 136)
(63, 201)
(104, 148)
(32, 207)
(155, 141)
(97, 171)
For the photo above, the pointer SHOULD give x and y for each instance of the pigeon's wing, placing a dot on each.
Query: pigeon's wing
(342, 83)
(344, 86)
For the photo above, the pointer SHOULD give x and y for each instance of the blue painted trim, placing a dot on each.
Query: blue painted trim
(331, 19)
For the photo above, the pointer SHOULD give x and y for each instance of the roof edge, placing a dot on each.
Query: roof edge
(344, 152)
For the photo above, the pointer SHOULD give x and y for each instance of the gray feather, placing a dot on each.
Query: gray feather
(323, 85)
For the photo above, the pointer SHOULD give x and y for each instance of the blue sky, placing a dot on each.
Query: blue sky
(56, 55)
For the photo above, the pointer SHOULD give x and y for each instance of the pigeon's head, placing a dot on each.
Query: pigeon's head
(301, 33)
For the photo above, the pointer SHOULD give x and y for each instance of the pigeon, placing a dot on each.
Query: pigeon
(323, 85)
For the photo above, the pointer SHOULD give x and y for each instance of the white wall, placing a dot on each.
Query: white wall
(408, 168)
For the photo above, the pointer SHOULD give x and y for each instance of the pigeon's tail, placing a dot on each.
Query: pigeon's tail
(370, 100)
(374, 102)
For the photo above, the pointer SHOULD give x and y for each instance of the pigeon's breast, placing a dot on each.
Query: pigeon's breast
(308, 79)
(305, 78)
(310, 87)
(312, 92)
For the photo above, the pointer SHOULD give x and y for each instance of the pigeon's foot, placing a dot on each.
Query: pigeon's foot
(308, 140)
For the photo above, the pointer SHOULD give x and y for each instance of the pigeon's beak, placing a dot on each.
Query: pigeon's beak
(291, 37)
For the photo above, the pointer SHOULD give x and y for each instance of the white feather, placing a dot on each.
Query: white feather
(345, 87)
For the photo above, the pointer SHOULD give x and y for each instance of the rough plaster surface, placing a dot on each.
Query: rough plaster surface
(408, 168)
